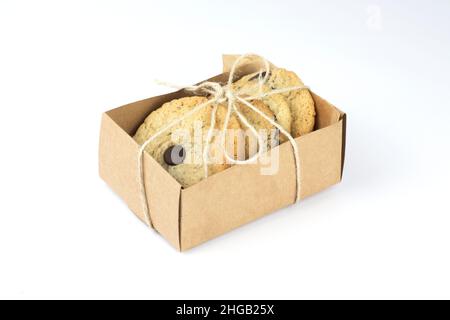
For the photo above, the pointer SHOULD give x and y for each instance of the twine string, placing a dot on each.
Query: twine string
(221, 94)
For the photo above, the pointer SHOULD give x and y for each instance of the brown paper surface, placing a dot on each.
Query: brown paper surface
(118, 167)
(229, 199)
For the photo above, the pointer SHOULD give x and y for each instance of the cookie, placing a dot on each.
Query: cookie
(248, 85)
(263, 127)
(300, 102)
(179, 150)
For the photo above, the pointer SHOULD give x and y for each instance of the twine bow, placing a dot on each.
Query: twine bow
(225, 94)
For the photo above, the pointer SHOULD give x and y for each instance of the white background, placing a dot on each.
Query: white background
(382, 233)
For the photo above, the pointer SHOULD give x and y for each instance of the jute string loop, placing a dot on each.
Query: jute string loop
(222, 94)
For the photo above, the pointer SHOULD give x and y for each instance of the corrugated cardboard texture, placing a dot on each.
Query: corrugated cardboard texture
(189, 217)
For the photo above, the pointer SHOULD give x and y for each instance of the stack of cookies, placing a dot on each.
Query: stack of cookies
(180, 149)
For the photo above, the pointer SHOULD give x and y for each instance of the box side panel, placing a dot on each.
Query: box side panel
(326, 113)
(321, 159)
(118, 167)
(240, 194)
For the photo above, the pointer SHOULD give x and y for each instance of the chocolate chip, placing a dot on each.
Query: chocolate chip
(257, 76)
(174, 155)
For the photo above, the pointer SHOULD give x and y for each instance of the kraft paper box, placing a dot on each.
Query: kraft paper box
(226, 200)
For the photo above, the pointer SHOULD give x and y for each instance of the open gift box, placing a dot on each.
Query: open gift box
(187, 217)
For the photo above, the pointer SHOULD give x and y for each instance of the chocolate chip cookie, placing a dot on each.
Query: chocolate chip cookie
(300, 102)
(179, 150)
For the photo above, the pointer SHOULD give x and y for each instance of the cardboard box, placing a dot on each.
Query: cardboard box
(229, 199)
